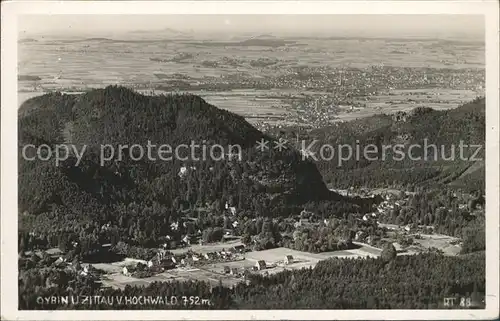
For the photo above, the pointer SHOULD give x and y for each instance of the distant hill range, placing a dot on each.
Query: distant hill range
(26, 40)
(165, 32)
(244, 36)
(136, 36)
(260, 41)
(103, 40)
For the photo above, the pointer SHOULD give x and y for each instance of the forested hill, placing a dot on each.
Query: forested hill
(117, 115)
(444, 129)
(151, 194)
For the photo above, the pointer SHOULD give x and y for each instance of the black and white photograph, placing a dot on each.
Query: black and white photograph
(254, 161)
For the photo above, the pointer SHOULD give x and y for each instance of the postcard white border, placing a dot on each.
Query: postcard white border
(9, 13)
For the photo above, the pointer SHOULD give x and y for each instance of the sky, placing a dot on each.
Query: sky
(381, 25)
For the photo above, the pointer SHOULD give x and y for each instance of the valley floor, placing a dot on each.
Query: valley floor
(214, 273)
(274, 258)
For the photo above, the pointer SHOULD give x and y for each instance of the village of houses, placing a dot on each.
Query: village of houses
(230, 262)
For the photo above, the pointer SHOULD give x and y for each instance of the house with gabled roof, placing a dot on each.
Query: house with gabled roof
(239, 248)
(186, 239)
(260, 265)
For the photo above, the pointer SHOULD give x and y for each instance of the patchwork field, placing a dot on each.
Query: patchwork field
(77, 65)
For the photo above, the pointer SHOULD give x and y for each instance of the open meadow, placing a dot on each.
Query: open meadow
(214, 272)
